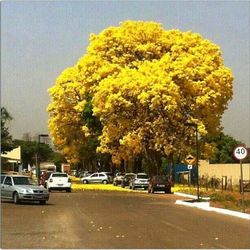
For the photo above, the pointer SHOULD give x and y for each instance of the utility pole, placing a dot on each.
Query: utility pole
(197, 155)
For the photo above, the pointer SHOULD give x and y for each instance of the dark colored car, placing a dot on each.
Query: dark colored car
(127, 177)
(160, 183)
(44, 178)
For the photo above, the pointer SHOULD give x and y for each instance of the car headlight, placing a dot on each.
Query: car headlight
(25, 191)
(22, 191)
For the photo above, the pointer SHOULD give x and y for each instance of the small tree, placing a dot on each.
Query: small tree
(223, 145)
(7, 143)
(29, 150)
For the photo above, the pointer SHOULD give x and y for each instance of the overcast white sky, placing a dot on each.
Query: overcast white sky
(40, 39)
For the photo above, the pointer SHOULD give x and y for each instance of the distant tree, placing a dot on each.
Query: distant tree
(26, 137)
(7, 143)
(224, 145)
(29, 149)
(57, 158)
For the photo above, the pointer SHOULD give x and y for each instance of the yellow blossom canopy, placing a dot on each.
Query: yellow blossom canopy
(143, 83)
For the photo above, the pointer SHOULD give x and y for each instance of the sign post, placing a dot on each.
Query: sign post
(190, 161)
(240, 153)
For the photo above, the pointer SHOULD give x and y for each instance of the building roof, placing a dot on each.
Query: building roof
(13, 156)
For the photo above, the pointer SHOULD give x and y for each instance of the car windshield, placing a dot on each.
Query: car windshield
(142, 176)
(129, 175)
(109, 174)
(2, 177)
(47, 176)
(21, 181)
(161, 178)
(60, 175)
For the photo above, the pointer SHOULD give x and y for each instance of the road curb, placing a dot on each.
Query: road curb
(206, 206)
(190, 196)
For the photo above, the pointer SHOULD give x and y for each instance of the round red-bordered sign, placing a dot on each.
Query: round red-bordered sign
(240, 152)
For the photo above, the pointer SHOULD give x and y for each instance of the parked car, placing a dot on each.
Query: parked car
(111, 175)
(19, 188)
(97, 178)
(59, 181)
(159, 183)
(141, 180)
(44, 178)
(118, 179)
(72, 172)
(125, 181)
(84, 174)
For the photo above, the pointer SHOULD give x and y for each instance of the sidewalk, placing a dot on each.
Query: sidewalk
(206, 206)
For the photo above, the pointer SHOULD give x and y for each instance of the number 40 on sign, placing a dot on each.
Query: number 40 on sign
(240, 152)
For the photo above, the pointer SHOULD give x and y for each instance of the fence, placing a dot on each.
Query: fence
(246, 185)
(226, 176)
(223, 183)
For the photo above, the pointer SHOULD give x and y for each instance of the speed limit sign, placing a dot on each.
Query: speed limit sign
(240, 152)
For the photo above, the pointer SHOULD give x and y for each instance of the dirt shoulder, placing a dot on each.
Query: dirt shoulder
(231, 200)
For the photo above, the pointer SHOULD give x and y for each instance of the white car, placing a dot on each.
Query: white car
(96, 178)
(59, 181)
(118, 179)
(141, 180)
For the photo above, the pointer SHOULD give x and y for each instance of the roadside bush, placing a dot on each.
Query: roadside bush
(230, 197)
(222, 197)
(216, 197)
(214, 183)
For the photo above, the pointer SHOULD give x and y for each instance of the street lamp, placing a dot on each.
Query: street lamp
(194, 125)
(38, 158)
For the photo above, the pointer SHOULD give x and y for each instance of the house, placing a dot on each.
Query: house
(11, 161)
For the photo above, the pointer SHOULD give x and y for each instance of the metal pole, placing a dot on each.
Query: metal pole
(241, 187)
(197, 162)
(38, 161)
(36, 157)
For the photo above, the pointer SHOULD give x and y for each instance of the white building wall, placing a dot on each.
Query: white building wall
(14, 155)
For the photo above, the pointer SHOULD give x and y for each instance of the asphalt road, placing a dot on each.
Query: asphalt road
(92, 219)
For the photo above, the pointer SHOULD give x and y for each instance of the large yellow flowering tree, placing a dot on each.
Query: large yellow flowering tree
(134, 90)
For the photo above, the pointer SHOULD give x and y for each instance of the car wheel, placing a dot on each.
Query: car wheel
(105, 182)
(85, 182)
(68, 190)
(42, 202)
(16, 198)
